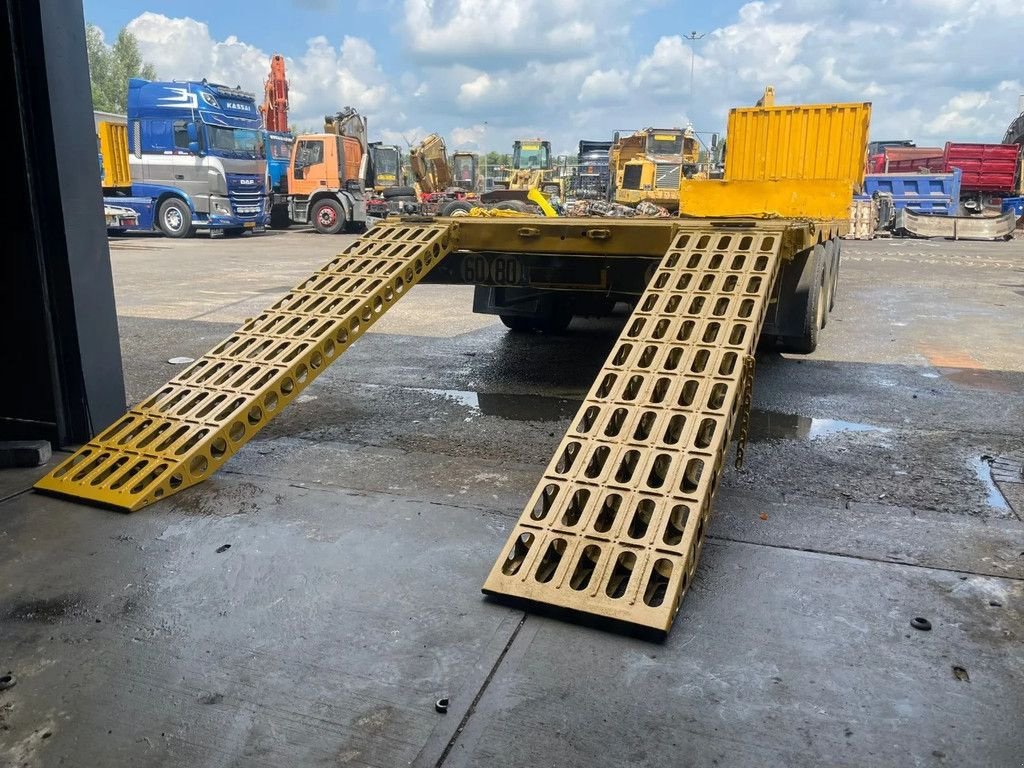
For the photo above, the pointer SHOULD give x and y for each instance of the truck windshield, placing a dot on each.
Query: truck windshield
(594, 158)
(387, 162)
(531, 154)
(664, 143)
(280, 149)
(238, 141)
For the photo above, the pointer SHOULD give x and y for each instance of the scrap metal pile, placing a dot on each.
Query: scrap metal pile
(605, 208)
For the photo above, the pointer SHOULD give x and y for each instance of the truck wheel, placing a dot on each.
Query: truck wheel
(457, 208)
(811, 292)
(328, 217)
(518, 323)
(279, 218)
(174, 218)
(355, 227)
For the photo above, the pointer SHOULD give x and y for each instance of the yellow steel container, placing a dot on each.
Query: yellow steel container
(803, 162)
(826, 142)
(113, 138)
(817, 199)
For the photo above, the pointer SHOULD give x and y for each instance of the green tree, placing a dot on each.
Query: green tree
(111, 66)
(497, 158)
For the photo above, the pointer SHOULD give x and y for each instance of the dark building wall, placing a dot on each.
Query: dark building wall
(60, 361)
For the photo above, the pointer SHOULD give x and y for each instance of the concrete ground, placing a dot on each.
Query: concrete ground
(308, 604)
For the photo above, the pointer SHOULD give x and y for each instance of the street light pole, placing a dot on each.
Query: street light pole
(692, 37)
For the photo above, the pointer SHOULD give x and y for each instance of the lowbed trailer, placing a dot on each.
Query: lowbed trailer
(617, 522)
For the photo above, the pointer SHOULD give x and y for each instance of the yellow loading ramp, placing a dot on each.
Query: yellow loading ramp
(616, 525)
(184, 431)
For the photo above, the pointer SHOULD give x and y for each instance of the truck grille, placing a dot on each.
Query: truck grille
(246, 195)
(631, 176)
(666, 176)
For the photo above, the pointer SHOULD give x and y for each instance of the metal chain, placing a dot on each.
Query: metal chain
(748, 397)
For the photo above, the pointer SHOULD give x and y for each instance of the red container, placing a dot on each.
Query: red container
(913, 159)
(988, 168)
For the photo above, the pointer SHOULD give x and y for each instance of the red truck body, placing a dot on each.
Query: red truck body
(909, 160)
(990, 168)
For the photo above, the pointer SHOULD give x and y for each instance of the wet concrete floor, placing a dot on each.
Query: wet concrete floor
(310, 603)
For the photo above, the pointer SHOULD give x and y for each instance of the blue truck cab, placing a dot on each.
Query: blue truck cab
(196, 155)
(279, 152)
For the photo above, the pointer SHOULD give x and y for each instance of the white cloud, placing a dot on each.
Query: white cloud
(935, 70)
(605, 86)
(472, 137)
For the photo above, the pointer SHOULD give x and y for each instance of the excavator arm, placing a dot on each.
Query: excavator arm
(430, 169)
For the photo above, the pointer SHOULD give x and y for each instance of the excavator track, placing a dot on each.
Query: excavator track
(616, 525)
(183, 432)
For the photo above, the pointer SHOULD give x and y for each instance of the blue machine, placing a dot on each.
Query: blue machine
(1013, 205)
(196, 152)
(279, 153)
(935, 193)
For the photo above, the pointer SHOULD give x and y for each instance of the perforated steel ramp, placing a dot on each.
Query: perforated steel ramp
(183, 432)
(616, 525)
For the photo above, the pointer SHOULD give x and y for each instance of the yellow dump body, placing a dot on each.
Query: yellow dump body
(802, 161)
(113, 138)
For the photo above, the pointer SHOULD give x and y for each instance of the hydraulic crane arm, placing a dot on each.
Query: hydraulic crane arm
(275, 97)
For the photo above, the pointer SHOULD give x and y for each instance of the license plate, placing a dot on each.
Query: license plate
(492, 270)
(249, 224)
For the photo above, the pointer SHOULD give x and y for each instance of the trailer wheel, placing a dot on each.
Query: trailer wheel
(328, 217)
(556, 321)
(837, 252)
(826, 285)
(517, 323)
(174, 218)
(811, 293)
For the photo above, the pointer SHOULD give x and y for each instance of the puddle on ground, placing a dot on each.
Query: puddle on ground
(512, 407)
(772, 425)
(983, 470)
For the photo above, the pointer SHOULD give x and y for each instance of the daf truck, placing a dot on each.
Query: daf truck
(188, 155)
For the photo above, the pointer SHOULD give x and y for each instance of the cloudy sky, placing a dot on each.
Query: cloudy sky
(483, 72)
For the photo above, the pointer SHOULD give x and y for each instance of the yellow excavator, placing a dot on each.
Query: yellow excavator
(647, 165)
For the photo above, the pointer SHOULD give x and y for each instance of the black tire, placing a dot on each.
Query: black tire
(174, 218)
(556, 322)
(279, 218)
(826, 285)
(355, 227)
(809, 292)
(328, 217)
(518, 323)
(553, 322)
(513, 205)
(837, 254)
(390, 192)
(456, 208)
